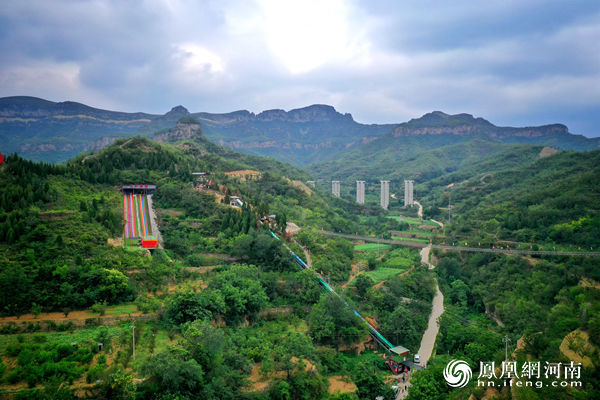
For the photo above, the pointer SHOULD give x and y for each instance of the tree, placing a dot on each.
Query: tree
(331, 322)
(281, 222)
(368, 383)
(185, 307)
(280, 391)
(99, 308)
(363, 283)
(241, 293)
(36, 309)
(304, 287)
(459, 292)
(429, 383)
(118, 386)
(173, 372)
(402, 323)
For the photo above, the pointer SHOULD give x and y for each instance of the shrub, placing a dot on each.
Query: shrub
(147, 304)
(13, 350)
(15, 375)
(50, 325)
(95, 373)
(82, 355)
(31, 327)
(9, 329)
(99, 308)
(67, 326)
(39, 338)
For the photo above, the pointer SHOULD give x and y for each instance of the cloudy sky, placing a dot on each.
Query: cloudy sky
(513, 62)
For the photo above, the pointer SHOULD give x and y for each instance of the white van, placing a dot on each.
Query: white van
(417, 359)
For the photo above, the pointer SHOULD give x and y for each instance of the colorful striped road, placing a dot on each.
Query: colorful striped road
(136, 215)
(143, 215)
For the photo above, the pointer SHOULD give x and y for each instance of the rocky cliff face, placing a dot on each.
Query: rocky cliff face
(181, 131)
(439, 123)
(49, 131)
(314, 113)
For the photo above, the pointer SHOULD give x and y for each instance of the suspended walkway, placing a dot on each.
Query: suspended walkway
(377, 336)
(411, 243)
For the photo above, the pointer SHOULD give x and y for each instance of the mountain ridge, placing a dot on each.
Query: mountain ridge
(43, 130)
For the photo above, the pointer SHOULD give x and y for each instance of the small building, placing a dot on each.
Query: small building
(200, 176)
(149, 242)
(411, 365)
(235, 201)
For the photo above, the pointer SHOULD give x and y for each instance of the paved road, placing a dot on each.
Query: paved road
(428, 339)
(411, 243)
(430, 334)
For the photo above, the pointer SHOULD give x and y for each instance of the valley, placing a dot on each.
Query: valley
(237, 278)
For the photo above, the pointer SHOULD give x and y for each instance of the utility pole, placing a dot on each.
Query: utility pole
(506, 341)
(449, 216)
(133, 339)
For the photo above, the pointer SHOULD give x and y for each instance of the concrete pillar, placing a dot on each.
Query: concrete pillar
(335, 188)
(385, 194)
(408, 193)
(360, 192)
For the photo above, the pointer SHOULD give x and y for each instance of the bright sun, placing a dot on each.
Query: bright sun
(307, 34)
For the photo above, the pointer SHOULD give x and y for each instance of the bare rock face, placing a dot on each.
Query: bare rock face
(547, 152)
(185, 129)
(439, 123)
(314, 113)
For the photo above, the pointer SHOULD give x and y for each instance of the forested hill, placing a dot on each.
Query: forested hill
(522, 197)
(57, 222)
(221, 300)
(438, 143)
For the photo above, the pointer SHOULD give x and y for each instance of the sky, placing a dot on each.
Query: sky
(512, 62)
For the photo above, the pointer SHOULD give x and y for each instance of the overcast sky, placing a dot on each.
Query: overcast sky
(513, 62)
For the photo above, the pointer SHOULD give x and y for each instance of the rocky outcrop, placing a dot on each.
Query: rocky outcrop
(314, 113)
(181, 131)
(439, 123)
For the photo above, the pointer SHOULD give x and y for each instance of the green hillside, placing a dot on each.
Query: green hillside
(224, 312)
(421, 158)
(61, 252)
(544, 200)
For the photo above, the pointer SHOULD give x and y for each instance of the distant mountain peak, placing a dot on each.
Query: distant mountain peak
(312, 113)
(178, 110)
(440, 118)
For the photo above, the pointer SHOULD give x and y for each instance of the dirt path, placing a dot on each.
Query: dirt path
(420, 212)
(425, 257)
(307, 255)
(353, 274)
(437, 222)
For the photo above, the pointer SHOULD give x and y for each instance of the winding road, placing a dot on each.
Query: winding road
(433, 327)
(428, 339)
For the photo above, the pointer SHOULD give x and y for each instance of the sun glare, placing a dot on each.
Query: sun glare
(304, 35)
